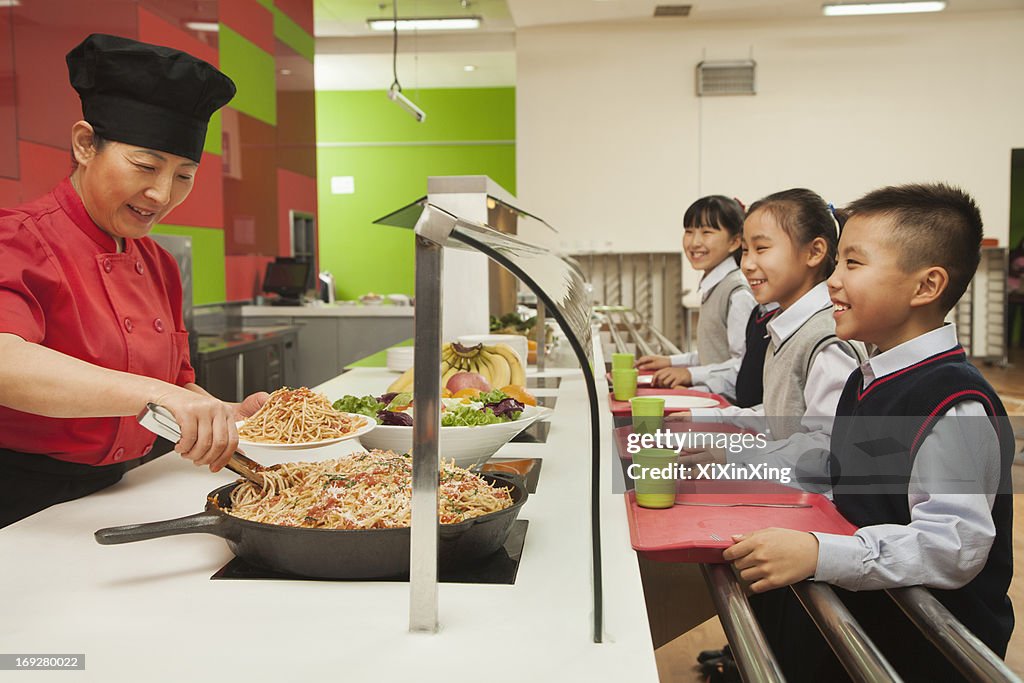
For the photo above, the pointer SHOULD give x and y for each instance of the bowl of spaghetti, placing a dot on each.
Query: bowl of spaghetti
(300, 418)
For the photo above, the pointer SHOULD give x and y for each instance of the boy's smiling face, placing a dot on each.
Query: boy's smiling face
(874, 298)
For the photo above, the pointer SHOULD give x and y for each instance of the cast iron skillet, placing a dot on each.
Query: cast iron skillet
(330, 553)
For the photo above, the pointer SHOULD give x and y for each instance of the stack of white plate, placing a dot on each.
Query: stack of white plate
(400, 358)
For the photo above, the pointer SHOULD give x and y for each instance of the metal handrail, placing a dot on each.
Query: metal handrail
(746, 639)
(641, 343)
(620, 345)
(954, 640)
(855, 650)
(667, 347)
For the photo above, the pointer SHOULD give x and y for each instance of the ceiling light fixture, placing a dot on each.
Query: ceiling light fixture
(395, 91)
(469, 67)
(425, 24)
(860, 9)
(207, 26)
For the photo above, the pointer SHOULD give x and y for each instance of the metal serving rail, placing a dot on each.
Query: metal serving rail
(855, 650)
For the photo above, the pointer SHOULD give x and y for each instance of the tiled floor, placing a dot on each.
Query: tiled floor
(676, 659)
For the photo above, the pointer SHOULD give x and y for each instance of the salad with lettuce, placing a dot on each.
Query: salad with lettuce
(395, 409)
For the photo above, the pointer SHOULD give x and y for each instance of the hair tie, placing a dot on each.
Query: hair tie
(742, 205)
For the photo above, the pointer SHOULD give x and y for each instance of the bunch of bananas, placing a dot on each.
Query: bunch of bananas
(497, 364)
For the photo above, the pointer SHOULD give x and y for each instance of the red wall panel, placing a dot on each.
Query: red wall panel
(153, 29)
(250, 202)
(42, 167)
(205, 205)
(47, 104)
(295, 192)
(299, 11)
(8, 112)
(251, 20)
(10, 192)
(243, 275)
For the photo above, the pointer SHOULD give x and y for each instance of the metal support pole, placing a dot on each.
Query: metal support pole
(961, 647)
(858, 655)
(541, 333)
(749, 646)
(426, 434)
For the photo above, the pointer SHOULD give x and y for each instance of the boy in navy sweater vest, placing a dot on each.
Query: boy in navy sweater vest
(920, 455)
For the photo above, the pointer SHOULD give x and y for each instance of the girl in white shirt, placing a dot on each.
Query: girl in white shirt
(711, 241)
(789, 250)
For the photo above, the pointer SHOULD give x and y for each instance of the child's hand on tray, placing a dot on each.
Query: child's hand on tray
(671, 378)
(773, 558)
(652, 362)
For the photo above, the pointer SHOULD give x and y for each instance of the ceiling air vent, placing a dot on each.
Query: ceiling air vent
(672, 10)
(725, 78)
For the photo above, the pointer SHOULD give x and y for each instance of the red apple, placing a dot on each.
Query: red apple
(467, 380)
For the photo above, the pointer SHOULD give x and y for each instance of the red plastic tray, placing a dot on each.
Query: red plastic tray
(700, 534)
(622, 408)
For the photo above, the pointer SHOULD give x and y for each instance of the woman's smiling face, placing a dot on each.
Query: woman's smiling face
(128, 189)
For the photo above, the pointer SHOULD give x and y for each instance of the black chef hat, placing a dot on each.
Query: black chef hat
(147, 95)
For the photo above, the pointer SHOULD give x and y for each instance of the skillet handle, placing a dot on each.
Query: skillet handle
(199, 523)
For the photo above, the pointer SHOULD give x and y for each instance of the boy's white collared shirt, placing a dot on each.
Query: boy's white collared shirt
(909, 353)
(950, 534)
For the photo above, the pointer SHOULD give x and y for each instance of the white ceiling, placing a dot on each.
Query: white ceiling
(351, 57)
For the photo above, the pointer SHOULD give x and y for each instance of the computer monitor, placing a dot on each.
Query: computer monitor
(287, 278)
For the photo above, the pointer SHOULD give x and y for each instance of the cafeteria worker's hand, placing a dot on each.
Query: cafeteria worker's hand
(672, 378)
(251, 404)
(652, 362)
(208, 434)
(773, 558)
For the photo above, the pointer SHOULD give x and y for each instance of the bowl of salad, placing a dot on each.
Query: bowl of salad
(472, 429)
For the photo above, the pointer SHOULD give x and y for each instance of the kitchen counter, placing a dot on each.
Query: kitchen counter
(230, 341)
(149, 611)
(329, 311)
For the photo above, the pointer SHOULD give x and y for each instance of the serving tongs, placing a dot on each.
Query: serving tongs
(161, 422)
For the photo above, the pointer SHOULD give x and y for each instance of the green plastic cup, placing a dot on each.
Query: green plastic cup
(624, 384)
(653, 489)
(623, 361)
(648, 414)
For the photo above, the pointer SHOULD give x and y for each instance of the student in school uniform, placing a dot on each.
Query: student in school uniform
(750, 376)
(944, 520)
(711, 241)
(789, 251)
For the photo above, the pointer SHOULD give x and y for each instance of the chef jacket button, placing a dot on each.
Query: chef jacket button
(128, 324)
(147, 449)
(108, 265)
(158, 325)
(138, 267)
(118, 454)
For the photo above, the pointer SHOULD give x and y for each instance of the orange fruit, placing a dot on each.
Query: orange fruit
(520, 394)
(469, 392)
(531, 344)
(446, 393)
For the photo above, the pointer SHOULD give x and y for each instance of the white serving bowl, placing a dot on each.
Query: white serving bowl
(400, 358)
(467, 446)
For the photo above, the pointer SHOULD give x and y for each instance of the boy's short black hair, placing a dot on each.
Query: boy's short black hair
(932, 224)
(716, 211)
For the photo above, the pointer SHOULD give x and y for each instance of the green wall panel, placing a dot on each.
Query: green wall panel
(1017, 198)
(452, 114)
(207, 261)
(269, 4)
(254, 73)
(366, 257)
(292, 35)
(213, 135)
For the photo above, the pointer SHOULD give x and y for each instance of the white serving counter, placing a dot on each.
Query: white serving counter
(148, 611)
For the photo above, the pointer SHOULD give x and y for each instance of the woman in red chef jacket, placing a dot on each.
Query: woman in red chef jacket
(90, 307)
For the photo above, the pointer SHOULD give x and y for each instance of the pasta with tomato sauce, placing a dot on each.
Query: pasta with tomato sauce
(360, 491)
